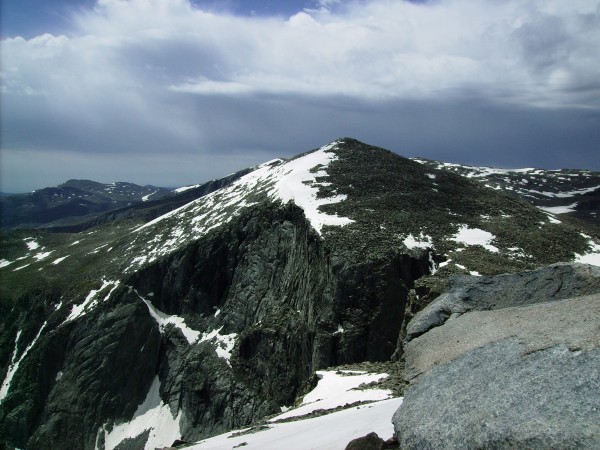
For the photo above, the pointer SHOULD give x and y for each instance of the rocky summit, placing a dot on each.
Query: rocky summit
(213, 311)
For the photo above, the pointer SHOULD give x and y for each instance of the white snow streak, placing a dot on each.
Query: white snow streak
(163, 319)
(185, 188)
(146, 197)
(14, 365)
(80, 310)
(4, 263)
(59, 260)
(566, 194)
(42, 255)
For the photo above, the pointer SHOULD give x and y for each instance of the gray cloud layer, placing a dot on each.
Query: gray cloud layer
(157, 91)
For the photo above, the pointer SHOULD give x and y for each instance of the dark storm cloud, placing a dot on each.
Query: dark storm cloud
(156, 91)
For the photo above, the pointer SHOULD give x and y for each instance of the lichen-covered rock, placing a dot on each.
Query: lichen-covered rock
(466, 293)
(494, 370)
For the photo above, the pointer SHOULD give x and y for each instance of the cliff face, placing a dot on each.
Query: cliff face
(267, 282)
(219, 312)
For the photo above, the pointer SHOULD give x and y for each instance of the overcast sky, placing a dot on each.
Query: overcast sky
(175, 92)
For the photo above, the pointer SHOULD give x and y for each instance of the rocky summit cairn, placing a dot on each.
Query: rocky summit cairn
(508, 361)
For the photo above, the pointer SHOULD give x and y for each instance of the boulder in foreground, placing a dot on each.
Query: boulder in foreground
(506, 371)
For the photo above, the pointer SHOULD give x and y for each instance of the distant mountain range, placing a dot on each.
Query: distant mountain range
(575, 193)
(73, 202)
(216, 306)
(79, 204)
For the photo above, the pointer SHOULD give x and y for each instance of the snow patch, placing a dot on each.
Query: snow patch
(31, 244)
(97, 249)
(422, 241)
(433, 268)
(152, 414)
(298, 184)
(559, 209)
(42, 255)
(146, 197)
(224, 343)
(592, 256)
(475, 236)
(337, 389)
(4, 263)
(517, 253)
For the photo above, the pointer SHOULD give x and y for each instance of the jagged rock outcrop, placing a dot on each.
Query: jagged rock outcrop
(509, 361)
(274, 285)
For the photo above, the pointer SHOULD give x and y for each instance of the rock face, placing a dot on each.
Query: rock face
(274, 286)
(506, 362)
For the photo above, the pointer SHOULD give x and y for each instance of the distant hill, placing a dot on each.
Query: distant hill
(73, 202)
(568, 192)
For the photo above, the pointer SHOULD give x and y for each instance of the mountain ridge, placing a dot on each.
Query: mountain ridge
(70, 203)
(233, 300)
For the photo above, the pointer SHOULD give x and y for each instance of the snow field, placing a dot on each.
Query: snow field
(559, 209)
(337, 389)
(330, 432)
(163, 319)
(223, 343)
